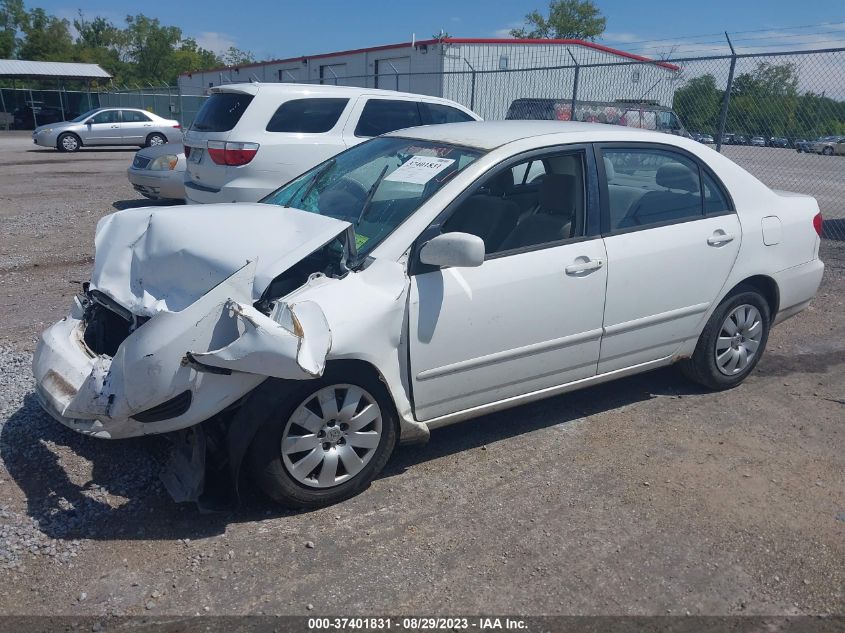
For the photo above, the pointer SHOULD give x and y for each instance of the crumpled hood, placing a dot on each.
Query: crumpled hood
(165, 258)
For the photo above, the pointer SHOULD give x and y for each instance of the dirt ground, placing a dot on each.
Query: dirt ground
(642, 496)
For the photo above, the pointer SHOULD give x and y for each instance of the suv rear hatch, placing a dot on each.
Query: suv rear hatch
(207, 154)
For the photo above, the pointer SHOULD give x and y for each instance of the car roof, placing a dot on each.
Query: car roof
(489, 135)
(283, 89)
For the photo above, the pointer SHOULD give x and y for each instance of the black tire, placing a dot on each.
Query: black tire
(265, 454)
(155, 136)
(827, 151)
(702, 368)
(68, 142)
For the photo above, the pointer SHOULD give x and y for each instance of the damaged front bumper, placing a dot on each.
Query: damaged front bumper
(179, 368)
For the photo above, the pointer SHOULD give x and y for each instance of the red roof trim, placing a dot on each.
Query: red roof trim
(449, 40)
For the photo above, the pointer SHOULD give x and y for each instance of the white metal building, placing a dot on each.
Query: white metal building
(484, 74)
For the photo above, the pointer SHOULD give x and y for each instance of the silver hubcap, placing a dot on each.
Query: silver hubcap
(331, 436)
(739, 339)
(69, 143)
(156, 140)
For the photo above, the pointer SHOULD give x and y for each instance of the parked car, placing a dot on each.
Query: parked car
(778, 141)
(739, 139)
(25, 117)
(802, 145)
(695, 136)
(829, 145)
(416, 280)
(706, 138)
(108, 126)
(158, 172)
(646, 115)
(758, 141)
(247, 139)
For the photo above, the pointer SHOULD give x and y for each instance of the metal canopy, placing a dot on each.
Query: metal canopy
(22, 69)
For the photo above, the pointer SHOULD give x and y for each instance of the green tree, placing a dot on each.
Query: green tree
(567, 19)
(698, 103)
(765, 100)
(150, 47)
(237, 57)
(11, 18)
(46, 37)
(190, 57)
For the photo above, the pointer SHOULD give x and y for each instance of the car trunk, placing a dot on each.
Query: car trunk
(214, 123)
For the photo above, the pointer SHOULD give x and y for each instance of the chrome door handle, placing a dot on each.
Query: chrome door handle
(115, 126)
(583, 267)
(718, 240)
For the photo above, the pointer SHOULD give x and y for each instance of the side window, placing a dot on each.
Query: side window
(386, 115)
(650, 186)
(510, 213)
(715, 200)
(434, 113)
(109, 116)
(309, 116)
(133, 116)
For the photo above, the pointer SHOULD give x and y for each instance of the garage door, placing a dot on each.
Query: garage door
(390, 71)
(332, 74)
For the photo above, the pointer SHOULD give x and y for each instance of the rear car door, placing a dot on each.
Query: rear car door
(529, 318)
(135, 126)
(102, 129)
(672, 237)
(373, 116)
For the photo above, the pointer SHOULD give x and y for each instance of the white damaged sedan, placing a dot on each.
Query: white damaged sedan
(416, 280)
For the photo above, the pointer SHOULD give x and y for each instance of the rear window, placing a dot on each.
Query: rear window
(434, 113)
(221, 112)
(310, 116)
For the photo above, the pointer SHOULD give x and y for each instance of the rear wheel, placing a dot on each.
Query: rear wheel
(732, 341)
(68, 142)
(325, 441)
(827, 151)
(156, 139)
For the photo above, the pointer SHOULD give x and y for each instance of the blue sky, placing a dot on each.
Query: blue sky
(275, 29)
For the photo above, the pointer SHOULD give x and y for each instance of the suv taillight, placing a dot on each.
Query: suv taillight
(818, 223)
(232, 154)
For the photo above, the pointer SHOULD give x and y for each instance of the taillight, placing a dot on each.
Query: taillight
(232, 154)
(818, 222)
(187, 150)
(177, 126)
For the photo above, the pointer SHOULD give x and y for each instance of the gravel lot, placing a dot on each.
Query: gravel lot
(644, 496)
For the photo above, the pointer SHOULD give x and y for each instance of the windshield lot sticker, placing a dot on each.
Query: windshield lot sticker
(419, 170)
(360, 240)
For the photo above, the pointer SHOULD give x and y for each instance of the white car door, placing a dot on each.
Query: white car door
(530, 316)
(672, 238)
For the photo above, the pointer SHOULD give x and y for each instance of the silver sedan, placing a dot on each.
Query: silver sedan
(158, 172)
(109, 126)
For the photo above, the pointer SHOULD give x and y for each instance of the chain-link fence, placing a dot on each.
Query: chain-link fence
(780, 115)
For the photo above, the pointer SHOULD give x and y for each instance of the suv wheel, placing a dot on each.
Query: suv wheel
(325, 441)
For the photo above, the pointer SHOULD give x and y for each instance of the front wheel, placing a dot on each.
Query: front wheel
(68, 142)
(732, 342)
(827, 151)
(325, 441)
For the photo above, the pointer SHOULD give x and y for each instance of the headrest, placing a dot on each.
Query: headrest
(677, 176)
(502, 184)
(557, 194)
(609, 169)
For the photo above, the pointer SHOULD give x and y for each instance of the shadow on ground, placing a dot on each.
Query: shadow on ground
(123, 498)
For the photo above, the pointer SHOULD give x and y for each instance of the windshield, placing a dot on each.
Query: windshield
(84, 116)
(375, 185)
